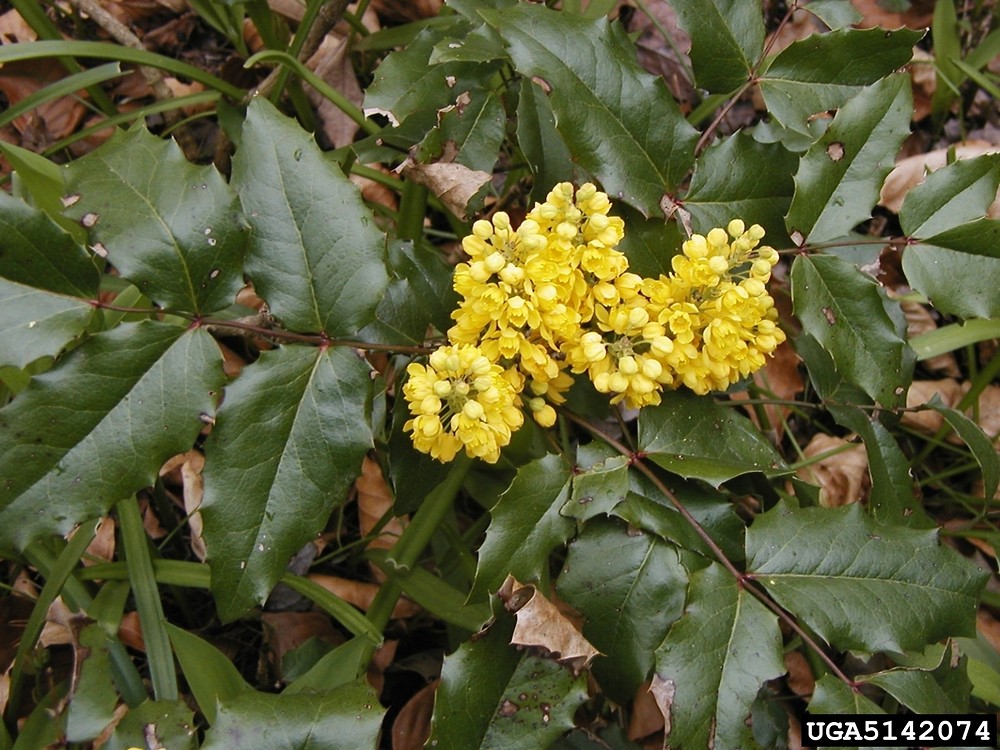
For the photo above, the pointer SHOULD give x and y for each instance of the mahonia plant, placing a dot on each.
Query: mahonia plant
(554, 296)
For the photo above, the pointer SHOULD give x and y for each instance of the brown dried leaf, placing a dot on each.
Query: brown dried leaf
(58, 628)
(921, 392)
(332, 63)
(918, 16)
(989, 411)
(384, 656)
(194, 489)
(989, 628)
(361, 594)
(102, 548)
(924, 80)
(663, 693)
(375, 500)
(286, 631)
(919, 320)
(911, 171)
(540, 624)
(646, 717)
(842, 477)
(412, 726)
(376, 192)
(404, 11)
(130, 631)
(455, 184)
(13, 28)
(800, 677)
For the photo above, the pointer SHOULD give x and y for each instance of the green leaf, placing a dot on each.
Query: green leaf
(646, 508)
(286, 447)
(170, 227)
(45, 184)
(92, 705)
(546, 153)
(861, 584)
(649, 244)
(893, 496)
(211, 676)
(834, 13)
(943, 689)
(420, 295)
(980, 238)
(727, 38)
(977, 440)
(409, 83)
(955, 283)
(344, 718)
(315, 253)
(832, 696)
(469, 131)
(699, 439)
(526, 526)
(45, 282)
(492, 697)
(713, 662)
(99, 425)
(630, 587)
(840, 176)
(846, 311)
(823, 71)
(619, 122)
(739, 177)
(173, 722)
(339, 667)
(953, 195)
(599, 489)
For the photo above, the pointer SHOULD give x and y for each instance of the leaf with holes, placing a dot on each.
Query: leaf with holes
(714, 661)
(315, 253)
(172, 228)
(285, 450)
(846, 311)
(839, 177)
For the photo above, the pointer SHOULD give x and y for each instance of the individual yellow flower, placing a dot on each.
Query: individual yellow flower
(460, 398)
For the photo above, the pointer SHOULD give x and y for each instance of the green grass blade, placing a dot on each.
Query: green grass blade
(147, 601)
(55, 578)
(63, 87)
(954, 336)
(340, 610)
(107, 51)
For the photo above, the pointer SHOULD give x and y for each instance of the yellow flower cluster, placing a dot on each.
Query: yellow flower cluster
(554, 296)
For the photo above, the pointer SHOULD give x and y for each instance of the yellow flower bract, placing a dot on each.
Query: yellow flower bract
(554, 296)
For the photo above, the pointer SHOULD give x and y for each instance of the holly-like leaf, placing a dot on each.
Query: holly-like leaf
(823, 71)
(599, 489)
(953, 195)
(170, 227)
(943, 689)
(956, 283)
(832, 696)
(98, 426)
(630, 588)
(699, 439)
(845, 310)
(727, 38)
(344, 718)
(834, 13)
(893, 497)
(742, 178)
(619, 122)
(978, 442)
(649, 244)
(839, 177)
(714, 661)
(526, 525)
(420, 295)
(546, 153)
(172, 724)
(492, 696)
(469, 131)
(286, 447)
(315, 253)
(861, 584)
(213, 679)
(45, 282)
